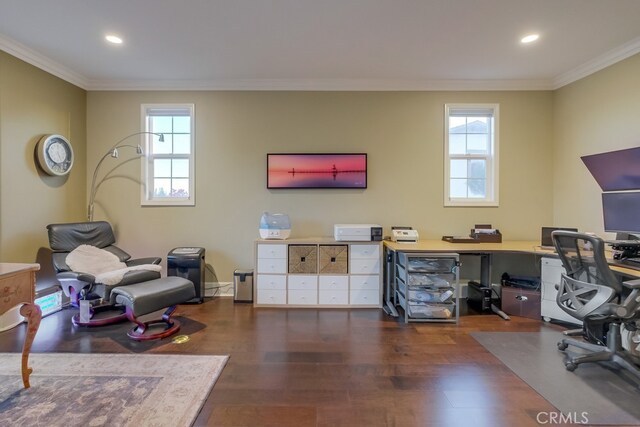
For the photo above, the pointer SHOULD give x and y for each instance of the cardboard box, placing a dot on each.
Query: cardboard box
(521, 302)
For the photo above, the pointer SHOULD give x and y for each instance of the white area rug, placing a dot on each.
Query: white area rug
(69, 389)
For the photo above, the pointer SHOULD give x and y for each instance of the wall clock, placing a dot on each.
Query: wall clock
(55, 155)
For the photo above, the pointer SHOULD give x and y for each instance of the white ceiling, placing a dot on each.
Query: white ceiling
(320, 44)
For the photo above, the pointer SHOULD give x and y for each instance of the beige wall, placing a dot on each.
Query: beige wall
(596, 114)
(402, 132)
(34, 103)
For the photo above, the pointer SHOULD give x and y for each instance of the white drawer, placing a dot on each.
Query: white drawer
(303, 282)
(271, 296)
(272, 251)
(365, 283)
(328, 283)
(364, 251)
(265, 281)
(333, 297)
(364, 297)
(272, 265)
(303, 297)
(365, 266)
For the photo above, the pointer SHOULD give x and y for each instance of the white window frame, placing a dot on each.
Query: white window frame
(491, 157)
(146, 195)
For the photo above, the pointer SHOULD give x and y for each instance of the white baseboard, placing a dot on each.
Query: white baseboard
(218, 289)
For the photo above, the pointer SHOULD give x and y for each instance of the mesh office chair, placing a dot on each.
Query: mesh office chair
(591, 292)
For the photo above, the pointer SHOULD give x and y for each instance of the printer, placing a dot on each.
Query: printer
(357, 232)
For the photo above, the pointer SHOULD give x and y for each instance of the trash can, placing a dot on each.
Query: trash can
(189, 264)
(243, 286)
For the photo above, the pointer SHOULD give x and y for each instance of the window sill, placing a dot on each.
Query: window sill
(467, 204)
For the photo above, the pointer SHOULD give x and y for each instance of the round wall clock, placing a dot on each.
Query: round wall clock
(55, 155)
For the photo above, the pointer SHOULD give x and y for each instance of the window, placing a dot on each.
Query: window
(168, 163)
(471, 155)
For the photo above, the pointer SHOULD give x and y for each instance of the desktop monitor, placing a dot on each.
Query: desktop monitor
(615, 170)
(621, 212)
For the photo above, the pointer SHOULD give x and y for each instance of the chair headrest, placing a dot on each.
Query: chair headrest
(67, 237)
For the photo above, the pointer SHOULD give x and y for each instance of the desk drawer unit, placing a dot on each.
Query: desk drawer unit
(427, 286)
(550, 274)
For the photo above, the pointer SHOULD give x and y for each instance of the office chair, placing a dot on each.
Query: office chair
(78, 285)
(591, 292)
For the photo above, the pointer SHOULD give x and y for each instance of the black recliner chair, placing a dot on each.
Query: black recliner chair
(591, 292)
(64, 238)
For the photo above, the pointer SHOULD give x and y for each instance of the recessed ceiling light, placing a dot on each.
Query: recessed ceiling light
(529, 38)
(113, 39)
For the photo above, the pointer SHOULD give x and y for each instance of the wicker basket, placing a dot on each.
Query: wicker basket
(334, 259)
(303, 259)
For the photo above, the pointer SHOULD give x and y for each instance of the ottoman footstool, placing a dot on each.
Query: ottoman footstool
(153, 295)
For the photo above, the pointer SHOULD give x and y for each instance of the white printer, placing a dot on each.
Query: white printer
(357, 232)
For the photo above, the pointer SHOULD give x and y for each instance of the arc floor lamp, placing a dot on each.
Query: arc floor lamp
(113, 152)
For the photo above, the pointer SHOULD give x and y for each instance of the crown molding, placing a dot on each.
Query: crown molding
(42, 62)
(46, 64)
(603, 61)
(321, 85)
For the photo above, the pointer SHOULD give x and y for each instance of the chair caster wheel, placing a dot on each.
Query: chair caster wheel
(570, 366)
(562, 346)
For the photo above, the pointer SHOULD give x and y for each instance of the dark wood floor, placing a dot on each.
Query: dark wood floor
(329, 367)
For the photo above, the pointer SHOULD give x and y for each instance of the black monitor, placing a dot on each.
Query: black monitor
(621, 212)
(615, 170)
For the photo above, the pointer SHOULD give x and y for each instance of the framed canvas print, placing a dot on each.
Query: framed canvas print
(317, 170)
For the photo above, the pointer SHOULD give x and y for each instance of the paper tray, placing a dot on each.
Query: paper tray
(460, 239)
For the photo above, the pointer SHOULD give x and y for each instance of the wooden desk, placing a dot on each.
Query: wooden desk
(18, 286)
(485, 252)
(514, 246)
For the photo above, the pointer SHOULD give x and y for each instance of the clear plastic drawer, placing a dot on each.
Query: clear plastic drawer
(427, 264)
(431, 311)
(432, 280)
(426, 295)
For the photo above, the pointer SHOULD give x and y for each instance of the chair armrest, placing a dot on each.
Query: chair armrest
(142, 261)
(76, 277)
(632, 284)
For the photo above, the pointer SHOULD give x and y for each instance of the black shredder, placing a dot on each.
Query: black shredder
(189, 264)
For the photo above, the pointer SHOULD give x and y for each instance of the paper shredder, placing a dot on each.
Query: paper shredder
(189, 264)
(243, 286)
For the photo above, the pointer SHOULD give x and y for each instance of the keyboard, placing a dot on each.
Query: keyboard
(624, 244)
(630, 263)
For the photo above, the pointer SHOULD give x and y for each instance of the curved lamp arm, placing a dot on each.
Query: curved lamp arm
(113, 152)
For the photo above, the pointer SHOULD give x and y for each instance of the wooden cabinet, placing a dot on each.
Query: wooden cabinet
(318, 273)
